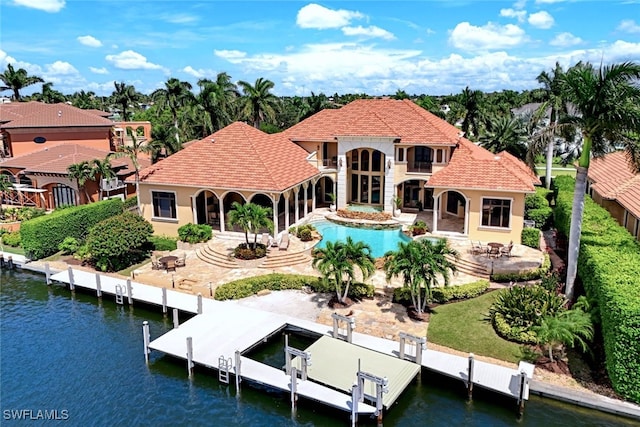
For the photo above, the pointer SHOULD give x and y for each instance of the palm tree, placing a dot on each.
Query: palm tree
(240, 215)
(258, 103)
(218, 98)
(175, 95)
(554, 100)
(607, 102)
(505, 134)
(84, 100)
(16, 80)
(163, 143)
(101, 169)
(81, 172)
(568, 328)
(123, 96)
(5, 186)
(50, 95)
(357, 254)
(259, 218)
(331, 262)
(132, 152)
(471, 100)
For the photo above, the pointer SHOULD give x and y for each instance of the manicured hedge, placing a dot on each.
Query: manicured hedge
(442, 294)
(275, 282)
(533, 274)
(163, 243)
(531, 237)
(41, 236)
(609, 267)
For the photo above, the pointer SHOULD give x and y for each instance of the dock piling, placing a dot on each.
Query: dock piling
(523, 383)
(164, 301)
(238, 365)
(355, 396)
(47, 273)
(199, 303)
(146, 338)
(10, 262)
(190, 356)
(176, 320)
(98, 286)
(294, 386)
(129, 292)
(470, 374)
(72, 285)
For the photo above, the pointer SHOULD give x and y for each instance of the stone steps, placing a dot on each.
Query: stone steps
(275, 259)
(470, 267)
(219, 259)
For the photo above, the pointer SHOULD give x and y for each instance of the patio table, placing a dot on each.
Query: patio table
(494, 249)
(169, 262)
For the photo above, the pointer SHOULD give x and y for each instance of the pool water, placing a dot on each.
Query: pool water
(381, 241)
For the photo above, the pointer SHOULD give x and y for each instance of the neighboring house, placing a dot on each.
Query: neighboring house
(367, 153)
(612, 184)
(39, 141)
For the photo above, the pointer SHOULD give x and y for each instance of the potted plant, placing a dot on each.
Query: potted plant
(420, 227)
(332, 199)
(397, 201)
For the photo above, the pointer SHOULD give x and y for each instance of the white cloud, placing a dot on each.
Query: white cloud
(89, 41)
(321, 18)
(628, 26)
(565, 39)
(520, 4)
(102, 70)
(232, 56)
(199, 73)
(371, 31)
(50, 6)
(61, 68)
(549, 1)
(180, 18)
(512, 13)
(490, 37)
(541, 19)
(130, 60)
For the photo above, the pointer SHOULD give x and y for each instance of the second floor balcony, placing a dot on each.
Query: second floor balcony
(112, 184)
(420, 167)
(331, 163)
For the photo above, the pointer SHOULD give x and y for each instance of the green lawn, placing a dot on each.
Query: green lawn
(465, 326)
(11, 250)
(127, 271)
(556, 170)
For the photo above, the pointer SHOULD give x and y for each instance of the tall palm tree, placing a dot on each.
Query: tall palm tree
(84, 100)
(218, 98)
(471, 100)
(505, 134)
(163, 142)
(50, 95)
(16, 80)
(132, 152)
(240, 215)
(358, 254)
(123, 96)
(331, 262)
(554, 100)
(5, 186)
(101, 169)
(606, 99)
(81, 172)
(260, 218)
(175, 95)
(258, 103)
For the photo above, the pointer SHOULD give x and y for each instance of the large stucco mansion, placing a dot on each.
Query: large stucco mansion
(368, 152)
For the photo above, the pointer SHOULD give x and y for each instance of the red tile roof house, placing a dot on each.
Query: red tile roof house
(367, 153)
(39, 141)
(612, 184)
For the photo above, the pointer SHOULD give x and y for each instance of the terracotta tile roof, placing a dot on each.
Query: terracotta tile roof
(238, 157)
(612, 178)
(404, 120)
(474, 167)
(58, 158)
(38, 114)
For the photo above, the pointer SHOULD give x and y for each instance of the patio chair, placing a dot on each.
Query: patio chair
(182, 259)
(265, 239)
(155, 262)
(507, 249)
(284, 242)
(477, 248)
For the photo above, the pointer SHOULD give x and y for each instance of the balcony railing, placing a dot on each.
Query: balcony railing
(112, 184)
(330, 163)
(420, 167)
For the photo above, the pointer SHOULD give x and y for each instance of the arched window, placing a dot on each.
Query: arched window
(354, 160)
(365, 160)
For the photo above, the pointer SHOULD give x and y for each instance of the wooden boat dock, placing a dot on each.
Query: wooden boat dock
(221, 332)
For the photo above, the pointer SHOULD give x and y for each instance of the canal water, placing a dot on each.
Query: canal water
(72, 357)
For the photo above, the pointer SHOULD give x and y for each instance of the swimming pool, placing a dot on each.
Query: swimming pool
(381, 241)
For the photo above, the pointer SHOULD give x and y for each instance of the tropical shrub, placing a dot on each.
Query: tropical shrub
(608, 268)
(541, 216)
(445, 294)
(69, 245)
(195, 233)
(535, 201)
(119, 242)
(420, 227)
(531, 237)
(275, 282)
(11, 239)
(242, 251)
(517, 310)
(23, 213)
(163, 243)
(42, 235)
(303, 232)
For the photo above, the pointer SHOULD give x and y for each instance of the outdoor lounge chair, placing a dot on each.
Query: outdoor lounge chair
(265, 239)
(477, 248)
(284, 242)
(507, 249)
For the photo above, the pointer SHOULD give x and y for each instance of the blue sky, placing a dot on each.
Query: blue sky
(376, 47)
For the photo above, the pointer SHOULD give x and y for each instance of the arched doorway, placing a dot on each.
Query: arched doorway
(228, 200)
(414, 195)
(451, 213)
(62, 195)
(365, 177)
(266, 202)
(324, 189)
(208, 209)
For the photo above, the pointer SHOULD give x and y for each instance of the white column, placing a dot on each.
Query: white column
(313, 196)
(389, 181)
(194, 209)
(296, 191)
(436, 201)
(340, 187)
(275, 214)
(221, 214)
(466, 217)
(286, 210)
(305, 187)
